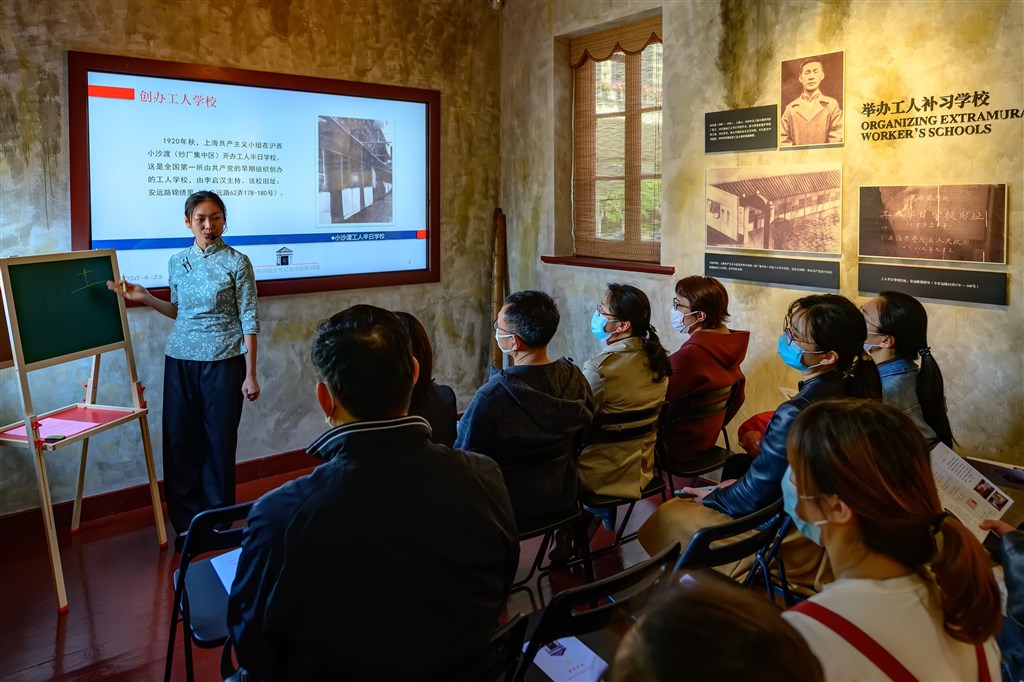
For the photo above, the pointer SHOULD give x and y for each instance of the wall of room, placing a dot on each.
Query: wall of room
(445, 45)
(726, 55)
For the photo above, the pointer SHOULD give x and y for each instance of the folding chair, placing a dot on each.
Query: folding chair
(695, 406)
(709, 547)
(545, 527)
(507, 645)
(579, 610)
(200, 600)
(619, 428)
(763, 562)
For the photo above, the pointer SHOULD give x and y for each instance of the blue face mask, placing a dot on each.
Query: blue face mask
(793, 354)
(790, 497)
(597, 324)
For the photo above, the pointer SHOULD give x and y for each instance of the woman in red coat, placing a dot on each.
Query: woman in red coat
(709, 359)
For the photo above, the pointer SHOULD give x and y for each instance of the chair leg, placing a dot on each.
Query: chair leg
(537, 562)
(186, 637)
(171, 635)
(583, 542)
(787, 595)
(625, 521)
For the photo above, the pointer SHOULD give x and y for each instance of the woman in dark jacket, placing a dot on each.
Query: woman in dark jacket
(432, 401)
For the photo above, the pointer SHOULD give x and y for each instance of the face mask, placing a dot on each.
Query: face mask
(793, 354)
(869, 346)
(502, 336)
(679, 321)
(597, 324)
(810, 529)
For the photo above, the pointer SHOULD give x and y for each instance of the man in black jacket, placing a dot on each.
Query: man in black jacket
(530, 418)
(336, 580)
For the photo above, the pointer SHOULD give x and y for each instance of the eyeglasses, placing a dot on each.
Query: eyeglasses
(607, 316)
(497, 328)
(787, 329)
(677, 305)
(876, 325)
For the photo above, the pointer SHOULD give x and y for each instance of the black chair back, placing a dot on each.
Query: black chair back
(704, 404)
(507, 645)
(210, 531)
(621, 594)
(700, 553)
(619, 427)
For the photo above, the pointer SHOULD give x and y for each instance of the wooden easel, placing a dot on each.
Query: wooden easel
(499, 281)
(51, 273)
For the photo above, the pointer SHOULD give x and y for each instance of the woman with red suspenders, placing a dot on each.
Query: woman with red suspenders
(914, 596)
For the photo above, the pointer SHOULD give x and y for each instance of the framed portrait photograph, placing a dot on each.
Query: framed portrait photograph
(811, 103)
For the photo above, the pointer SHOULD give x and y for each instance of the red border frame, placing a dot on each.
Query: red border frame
(80, 63)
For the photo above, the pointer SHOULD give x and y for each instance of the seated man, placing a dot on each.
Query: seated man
(530, 417)
(335, 580)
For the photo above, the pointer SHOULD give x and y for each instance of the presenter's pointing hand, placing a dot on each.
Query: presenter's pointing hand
(128, 290)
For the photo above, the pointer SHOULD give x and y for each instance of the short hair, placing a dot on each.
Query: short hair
(706, 295)
(811, 60)
(364, 355)
(421, 350)
(199, 197)
(699, 624)
(532, 316)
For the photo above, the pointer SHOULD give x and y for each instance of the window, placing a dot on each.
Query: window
(616, 187)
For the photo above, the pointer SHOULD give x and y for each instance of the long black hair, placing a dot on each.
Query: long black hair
(629, 304)
(835, 324)
(902, 317)
(421, 350)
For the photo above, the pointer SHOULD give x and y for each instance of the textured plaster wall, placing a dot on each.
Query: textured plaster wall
(726, 54)
(446, 45)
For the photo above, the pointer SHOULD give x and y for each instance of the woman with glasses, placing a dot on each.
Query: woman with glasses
(628, 375)
(823, 338)
(897, 337)
(914, 596)
(709, 359)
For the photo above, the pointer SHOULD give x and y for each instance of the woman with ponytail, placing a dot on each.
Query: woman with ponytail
(897, 337)
(914, 596)
(628, 375)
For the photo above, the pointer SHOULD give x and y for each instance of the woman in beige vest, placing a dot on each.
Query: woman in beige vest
(628, 375)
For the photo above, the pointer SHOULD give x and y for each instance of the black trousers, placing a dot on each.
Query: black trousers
(202, 409)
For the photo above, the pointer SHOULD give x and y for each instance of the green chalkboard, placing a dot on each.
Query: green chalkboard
(62, 306)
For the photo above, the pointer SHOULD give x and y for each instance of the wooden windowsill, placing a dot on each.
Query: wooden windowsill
(608, 264)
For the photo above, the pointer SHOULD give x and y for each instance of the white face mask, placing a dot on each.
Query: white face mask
(502, 336)
(679, 320)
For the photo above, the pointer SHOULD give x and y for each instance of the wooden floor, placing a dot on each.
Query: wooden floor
(118, 584)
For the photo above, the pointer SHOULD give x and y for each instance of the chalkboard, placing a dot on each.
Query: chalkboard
(60, 307)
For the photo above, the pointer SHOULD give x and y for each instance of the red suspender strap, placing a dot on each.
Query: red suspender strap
(858, 639)
(983, 675)
(871, 649)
